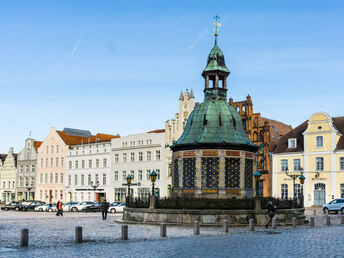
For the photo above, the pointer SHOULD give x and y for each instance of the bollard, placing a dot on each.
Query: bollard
(196, 228)
(225, 226)
(24, 239)
(314, 212)
(274, 223)
(124, 233)
(163, 230)
(342, 219)
(328, 220)
(78, 235)
(293, 222)
(312, 222)
(251, 224)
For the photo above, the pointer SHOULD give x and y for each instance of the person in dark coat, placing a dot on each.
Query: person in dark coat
(59, 208)
(271, 213)
(105, 206)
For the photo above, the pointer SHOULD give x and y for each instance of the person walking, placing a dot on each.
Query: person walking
(105, 206)
(59, 208)
(271, 213)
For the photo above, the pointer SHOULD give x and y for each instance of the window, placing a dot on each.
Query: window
(21, 182)
(76, 164)
(51, 162)
(116, 158)
(69, 179)
(82, 179)
(97, 163)
(47, 150)
(132, 173)
(83, 163)
(341, 163)
(51, 178)
(89, 179)
(149, 155)
(297, 164)
(148, 174)
(75, 179)
(319, 164)
(57, 162)
(97, 178)
(157, 155)
(21, 168)
(61, 161)
(124, 157)
(70, 164)
(61, 178)
(124, 175)
(140, 175)
(298, 191)
(140, 156)
(284, 191)
(292, 143)
(41, 178)
(27, 168)
(116, 176)
(132, 156)
(104, 179)
(52, 149)
(46, 178)
(33, 168)
(104, 163)
(157, 174)
(57, 149)
(46, 163)
(56, 178)
(89, 163)
(284, 165)
(319, 141)
(341, 190)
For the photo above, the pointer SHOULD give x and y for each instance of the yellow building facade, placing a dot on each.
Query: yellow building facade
(316, 148)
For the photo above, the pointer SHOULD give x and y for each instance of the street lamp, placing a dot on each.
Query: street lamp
(153, 176)
(94, 186)
(257, 176)
(29, 189)
(128, 183)
(294, 177)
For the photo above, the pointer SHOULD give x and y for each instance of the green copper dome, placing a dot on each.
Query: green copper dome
(216, 60)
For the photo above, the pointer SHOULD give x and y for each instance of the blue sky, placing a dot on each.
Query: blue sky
(119, 66)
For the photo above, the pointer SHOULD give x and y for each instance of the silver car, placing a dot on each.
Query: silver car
(335, 205)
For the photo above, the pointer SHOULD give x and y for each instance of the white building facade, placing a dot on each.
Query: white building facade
(138, 155)
(8, 172)
(87, 164)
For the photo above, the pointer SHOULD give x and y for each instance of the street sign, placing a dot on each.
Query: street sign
(138, 184)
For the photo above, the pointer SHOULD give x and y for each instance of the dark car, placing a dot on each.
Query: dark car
(30, 205)
(11, 206)
(93, 208)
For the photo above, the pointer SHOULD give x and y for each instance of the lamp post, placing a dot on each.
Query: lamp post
(257, 176)
(94, 186)
(29, 189)
(128, 183)
(153, 176)
(294, 177)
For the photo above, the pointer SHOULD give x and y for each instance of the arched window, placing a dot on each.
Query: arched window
(255, 122)
(255, 137)
(261, 136)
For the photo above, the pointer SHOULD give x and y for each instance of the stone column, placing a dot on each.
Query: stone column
(207, 82)
(198, 176)
(225, 82)
(216, 81)
(222, 189)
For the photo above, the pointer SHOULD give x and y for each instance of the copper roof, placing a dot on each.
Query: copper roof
(74, 140)
(157, 131)
(36, 144)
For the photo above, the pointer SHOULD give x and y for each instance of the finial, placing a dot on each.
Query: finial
(216, 28)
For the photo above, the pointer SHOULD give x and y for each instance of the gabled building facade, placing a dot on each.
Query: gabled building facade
(8, 172)
(315, 147)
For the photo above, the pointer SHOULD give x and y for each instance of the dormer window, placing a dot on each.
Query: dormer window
(319, 141)
(292, 143)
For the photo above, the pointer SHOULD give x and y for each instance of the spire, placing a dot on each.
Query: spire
(192, 96)
(216, 28)
(181, 97)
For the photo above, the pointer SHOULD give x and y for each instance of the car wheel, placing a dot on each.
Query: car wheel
(113, 210)
(74, 209)
(325, 210)
(40, 209)
(6, 209)
(50, 210)
(17, 209)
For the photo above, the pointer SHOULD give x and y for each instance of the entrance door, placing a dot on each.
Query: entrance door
(100, 197)
(319, 194)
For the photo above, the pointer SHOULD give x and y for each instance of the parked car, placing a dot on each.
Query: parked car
(42, 207)
(80, 205)
(29, 205)
(117, 208)
(334, 206)
(66, 206)
(51, 207)
(93, 208)
(11, 206)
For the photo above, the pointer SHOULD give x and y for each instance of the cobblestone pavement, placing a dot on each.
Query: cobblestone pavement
(102, 239)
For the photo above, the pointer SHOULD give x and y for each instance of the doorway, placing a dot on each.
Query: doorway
(100, 197)
(319, 194)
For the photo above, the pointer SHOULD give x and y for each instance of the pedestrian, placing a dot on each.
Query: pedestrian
(59, 208)
(271, 213)
(105, 206)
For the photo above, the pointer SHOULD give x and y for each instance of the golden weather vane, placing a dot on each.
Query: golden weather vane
(217, 25)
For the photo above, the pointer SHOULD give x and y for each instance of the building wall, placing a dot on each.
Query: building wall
(51, 168)
(123, 164)
(8, 173)
(85, 164)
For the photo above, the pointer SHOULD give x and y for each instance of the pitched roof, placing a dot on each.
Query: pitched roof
(36, 144)
(157, 131)
(73, 140)
(3, 157)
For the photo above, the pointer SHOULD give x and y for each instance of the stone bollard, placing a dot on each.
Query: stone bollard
(251, 224)
(274, 223)
(196, 228)
(24, 239)
(124, 233)
(293, 222)
(163, 230)
(342, 219)
(328, 220)
(225, 226)
(312, 222)
(314, 212)
(78, 235)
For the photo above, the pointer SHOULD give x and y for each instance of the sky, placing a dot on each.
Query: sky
(118, 67)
